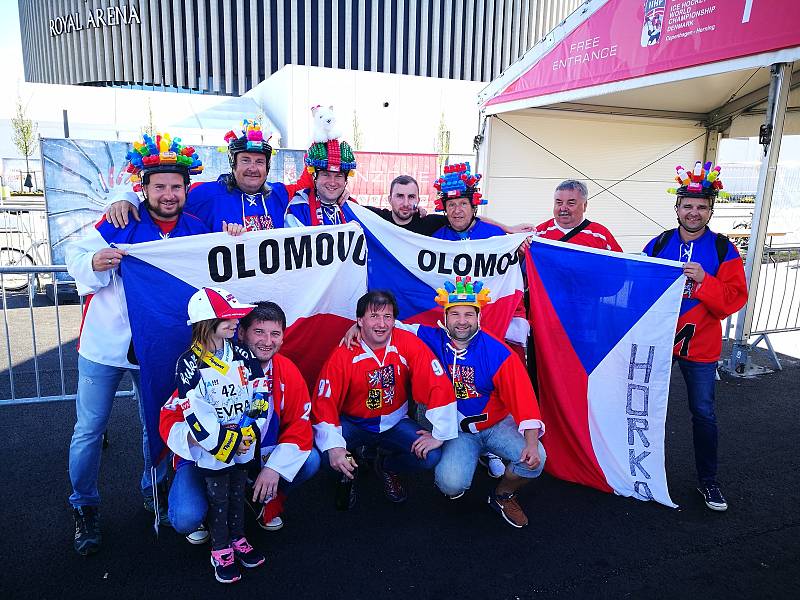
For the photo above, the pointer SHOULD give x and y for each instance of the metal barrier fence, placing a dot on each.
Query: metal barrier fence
(777, 308)
(40, 362)
(778, 304)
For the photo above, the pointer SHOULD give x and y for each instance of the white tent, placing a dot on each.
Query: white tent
(624, 90)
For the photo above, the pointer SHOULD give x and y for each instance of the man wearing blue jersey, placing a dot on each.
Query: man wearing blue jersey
(715, 289)
(242, 197)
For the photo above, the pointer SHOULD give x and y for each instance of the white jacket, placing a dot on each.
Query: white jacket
(105, 330)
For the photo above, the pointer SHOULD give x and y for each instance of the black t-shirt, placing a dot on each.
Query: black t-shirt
(426, 225)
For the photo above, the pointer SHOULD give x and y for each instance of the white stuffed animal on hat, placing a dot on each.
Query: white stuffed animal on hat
(324, 124)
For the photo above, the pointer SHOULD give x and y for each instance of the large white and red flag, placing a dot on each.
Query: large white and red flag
(413, 266)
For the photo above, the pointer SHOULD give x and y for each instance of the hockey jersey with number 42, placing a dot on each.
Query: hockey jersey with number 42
(201, 422)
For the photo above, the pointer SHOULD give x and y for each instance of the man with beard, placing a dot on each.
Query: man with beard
(242, 197)
(716, 288)
(404, 210)
(163, 167)
(497, 408)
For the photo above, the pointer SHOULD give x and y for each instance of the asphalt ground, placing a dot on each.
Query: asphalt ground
(580, 543)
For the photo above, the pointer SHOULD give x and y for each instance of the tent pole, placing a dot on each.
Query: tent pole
(712, 144)
(780, 74)
(482, 148)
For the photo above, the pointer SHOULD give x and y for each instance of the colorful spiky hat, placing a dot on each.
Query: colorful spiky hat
(251, 140)
(162, 154)
(465, 292)
(333, 155)
(458, 182)
(701, 182)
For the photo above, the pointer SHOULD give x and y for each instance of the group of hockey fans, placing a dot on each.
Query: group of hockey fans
(395, 398)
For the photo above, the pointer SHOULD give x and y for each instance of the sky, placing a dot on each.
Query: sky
(11, 69)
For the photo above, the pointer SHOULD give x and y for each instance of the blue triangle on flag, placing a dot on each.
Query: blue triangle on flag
(156, 297)
(386, 272)
(598, 297)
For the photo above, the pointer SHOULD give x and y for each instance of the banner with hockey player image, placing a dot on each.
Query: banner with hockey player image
(315, 274)
(603, 326)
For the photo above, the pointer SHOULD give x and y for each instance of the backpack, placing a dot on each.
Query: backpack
(721, 243)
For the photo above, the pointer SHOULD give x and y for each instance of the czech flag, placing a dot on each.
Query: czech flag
(603, 325)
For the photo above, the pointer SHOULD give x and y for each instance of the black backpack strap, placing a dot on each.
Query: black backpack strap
(721, 242)
(661, 242)
(575, 231)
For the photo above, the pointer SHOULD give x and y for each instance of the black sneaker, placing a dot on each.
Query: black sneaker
(393, 487)
(87, 530)
(713, 496)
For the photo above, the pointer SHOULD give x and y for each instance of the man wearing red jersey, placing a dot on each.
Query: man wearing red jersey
(569, 224)
(716, 288)
(362, 398)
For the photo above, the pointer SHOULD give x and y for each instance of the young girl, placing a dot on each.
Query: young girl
(217, 386)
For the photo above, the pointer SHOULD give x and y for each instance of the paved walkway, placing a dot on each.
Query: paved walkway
(581, 543)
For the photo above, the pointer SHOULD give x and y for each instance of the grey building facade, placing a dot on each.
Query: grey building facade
(229, 46)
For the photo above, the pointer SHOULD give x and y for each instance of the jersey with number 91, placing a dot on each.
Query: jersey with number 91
(372, 388)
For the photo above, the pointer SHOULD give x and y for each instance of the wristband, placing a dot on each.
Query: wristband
(229, 440)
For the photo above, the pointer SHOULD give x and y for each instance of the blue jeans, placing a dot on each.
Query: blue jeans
(97, 385)
(700, 381)
(396, 442)
(460, 456)
(188, 503)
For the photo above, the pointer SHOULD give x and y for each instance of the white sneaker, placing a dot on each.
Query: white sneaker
(495, 466)
(198, 536)
(273, 525)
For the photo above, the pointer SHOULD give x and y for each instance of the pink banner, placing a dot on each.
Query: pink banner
(376, 170)
(631, 38)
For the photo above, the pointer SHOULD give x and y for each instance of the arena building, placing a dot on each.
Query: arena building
(228, 46)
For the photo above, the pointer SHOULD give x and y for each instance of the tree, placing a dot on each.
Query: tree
(24, 137)
(442, 142)
(150, 127)
(358, 135)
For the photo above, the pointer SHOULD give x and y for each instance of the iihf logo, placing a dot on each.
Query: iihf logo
(653, 22)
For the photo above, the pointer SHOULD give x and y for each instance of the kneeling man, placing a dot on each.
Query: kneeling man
(362, 399)
(497, 408)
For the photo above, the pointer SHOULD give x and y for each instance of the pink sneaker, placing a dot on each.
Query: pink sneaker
(225, 569)
(248, 557)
